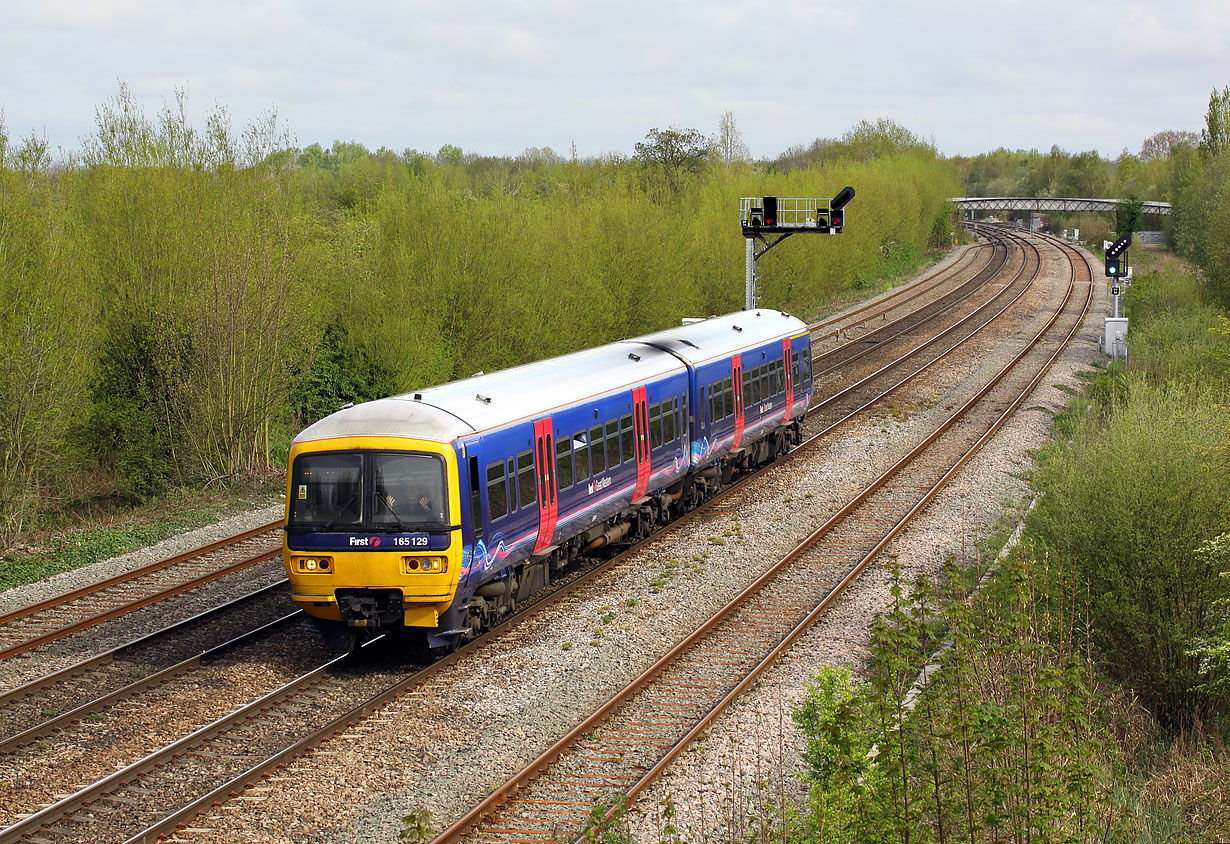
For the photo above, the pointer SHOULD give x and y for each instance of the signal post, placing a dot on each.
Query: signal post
(765, 215)
(1114, 341)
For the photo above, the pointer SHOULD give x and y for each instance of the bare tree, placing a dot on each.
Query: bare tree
(728, 143)
(1163, 143)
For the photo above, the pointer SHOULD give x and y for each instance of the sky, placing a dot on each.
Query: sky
(495, 78)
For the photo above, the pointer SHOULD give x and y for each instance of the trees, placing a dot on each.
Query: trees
(673, 154)
(1164, 143)
(728, 142)
(1215, 137)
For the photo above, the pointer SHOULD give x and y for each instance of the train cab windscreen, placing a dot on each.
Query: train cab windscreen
(370, 491)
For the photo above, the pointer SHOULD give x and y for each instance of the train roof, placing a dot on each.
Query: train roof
(488, 401)
(720, 337)
(484, 402)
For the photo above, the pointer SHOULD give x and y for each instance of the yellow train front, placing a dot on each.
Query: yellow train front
(371, 533)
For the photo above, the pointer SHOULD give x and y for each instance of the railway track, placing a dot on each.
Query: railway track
(65, 697)
(614, 754)
(899, 299)
(30, 627)
(36, 625)
(239, 739)
(894, 368)
(871, 340)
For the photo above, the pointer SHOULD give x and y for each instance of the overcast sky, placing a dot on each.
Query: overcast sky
(497, 77)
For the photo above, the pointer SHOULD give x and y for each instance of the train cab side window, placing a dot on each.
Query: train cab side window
(563, 462)
(668, 419)
(580, 451)
(597, 453)
(527, 489)
(655, 425)
(626, 438)
(612, 444)
(476, 498)
(497, 491)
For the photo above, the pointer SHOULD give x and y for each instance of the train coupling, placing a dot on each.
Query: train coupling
(371, 607)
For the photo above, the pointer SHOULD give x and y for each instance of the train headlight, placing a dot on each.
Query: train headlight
(313, 565)
(426, 565)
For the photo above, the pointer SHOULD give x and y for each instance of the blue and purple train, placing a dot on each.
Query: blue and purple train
(437, 512)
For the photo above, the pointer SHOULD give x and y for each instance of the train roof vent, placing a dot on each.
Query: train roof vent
(632, 356)
(418, 396)
(482, 398)
(689, 343)
(736, 328)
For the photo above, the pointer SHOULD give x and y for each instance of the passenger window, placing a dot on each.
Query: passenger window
(713, 416)
(527, 489)
(806, 366)
(512, 484)
(728, 397)
(668, 420)
(747, 389)
(755, 386)
(765, 390)
(497, 491)
(563, 463)
(626, 440)
(597, 453)
(612, 444)
(655, 425)
(580, 450)
(794, 368)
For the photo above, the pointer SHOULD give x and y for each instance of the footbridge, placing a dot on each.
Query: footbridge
(1023, 203)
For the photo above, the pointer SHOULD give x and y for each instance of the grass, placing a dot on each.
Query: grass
(119, 530)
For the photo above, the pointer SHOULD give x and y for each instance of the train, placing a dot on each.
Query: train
(434, 514)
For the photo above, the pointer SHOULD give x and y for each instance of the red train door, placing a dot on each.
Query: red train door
(640, 438)
(736, 376)
(544, 465)
(788, 380)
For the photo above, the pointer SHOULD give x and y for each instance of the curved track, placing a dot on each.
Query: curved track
(616, 752)
(233, 736)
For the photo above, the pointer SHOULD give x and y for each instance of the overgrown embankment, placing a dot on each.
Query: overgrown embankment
(179, 300)
(1085, 693)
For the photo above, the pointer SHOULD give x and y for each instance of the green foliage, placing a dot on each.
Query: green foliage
(126, 428)
(82, 548)
(1002, 743)
(673, 154)
(1213, 648)
(1140, 484)
(1215, 137)
(342, 372)
(1126, 506)
(185, 297)
(416, 827)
